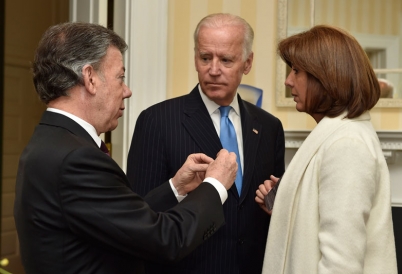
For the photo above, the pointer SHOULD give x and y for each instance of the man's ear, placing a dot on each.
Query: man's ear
(248, 64)
(89, 78)
(195, 61)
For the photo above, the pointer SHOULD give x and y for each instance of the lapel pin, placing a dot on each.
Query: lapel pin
(255, 131)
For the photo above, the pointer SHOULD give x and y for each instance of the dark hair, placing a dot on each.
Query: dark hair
(62, 53)
(218, 20)
(340, 76)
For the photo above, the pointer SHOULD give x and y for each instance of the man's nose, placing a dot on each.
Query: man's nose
(215, 68)
(127, 92)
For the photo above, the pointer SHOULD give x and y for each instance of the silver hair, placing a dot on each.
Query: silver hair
(218, 20)
(62, 53)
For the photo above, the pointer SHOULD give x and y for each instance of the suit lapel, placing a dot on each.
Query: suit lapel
(199, 126)
(251, 130)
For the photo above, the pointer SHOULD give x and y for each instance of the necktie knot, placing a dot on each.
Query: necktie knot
(225, 111)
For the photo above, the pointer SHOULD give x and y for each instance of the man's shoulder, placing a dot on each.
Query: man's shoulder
(164, 113)
(172, 103)
(58, 138)
(258, 112)
(180, 105)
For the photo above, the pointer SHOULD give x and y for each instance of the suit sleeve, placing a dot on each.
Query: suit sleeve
(146, 163)
(161, 198)
(99, 207)
(347, 186)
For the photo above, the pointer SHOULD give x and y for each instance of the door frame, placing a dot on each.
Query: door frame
(143, 24)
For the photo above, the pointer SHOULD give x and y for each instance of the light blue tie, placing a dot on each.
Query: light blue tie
(229, 142)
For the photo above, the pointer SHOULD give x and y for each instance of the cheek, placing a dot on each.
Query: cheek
(198, 65)
(201, 69)
(234, 76)
(305, 89)
(115, 98)
(236, 72)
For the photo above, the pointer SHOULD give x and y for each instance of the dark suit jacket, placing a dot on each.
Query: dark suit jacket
(75, 213)
(166, 133)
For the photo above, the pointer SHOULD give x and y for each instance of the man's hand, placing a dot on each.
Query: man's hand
(198, 166)
(224, 168)
(192, 173)
(263, 190)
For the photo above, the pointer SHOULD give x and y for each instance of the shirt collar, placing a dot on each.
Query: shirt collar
(212, 106)
(87, 126)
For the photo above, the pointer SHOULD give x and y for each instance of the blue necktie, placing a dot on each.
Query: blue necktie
(229, 142)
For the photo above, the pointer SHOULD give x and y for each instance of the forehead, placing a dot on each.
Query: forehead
(113, 59)
(227, 38)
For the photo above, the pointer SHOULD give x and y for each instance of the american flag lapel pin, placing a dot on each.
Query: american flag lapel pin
(255, 131)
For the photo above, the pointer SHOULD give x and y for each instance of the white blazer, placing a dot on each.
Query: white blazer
(332, 212)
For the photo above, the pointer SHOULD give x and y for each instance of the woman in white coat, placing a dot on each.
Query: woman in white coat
(332, 212)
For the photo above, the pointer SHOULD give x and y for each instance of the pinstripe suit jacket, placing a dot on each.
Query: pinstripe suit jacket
(166, 133)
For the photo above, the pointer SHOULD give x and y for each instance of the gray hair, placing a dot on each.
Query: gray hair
(218, 20)
(62, 53)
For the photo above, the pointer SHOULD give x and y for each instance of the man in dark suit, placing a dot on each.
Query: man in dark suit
(74, 210)
(169, 131)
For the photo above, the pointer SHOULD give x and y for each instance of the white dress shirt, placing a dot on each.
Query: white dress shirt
(234, 117)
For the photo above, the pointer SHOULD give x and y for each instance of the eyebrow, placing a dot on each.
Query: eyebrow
(226, 56)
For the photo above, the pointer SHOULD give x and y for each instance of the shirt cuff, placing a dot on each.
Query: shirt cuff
(223, 194)
(178, 197)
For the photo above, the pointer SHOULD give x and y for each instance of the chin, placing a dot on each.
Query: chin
(113, 126)
(214, 92)
(299, 108)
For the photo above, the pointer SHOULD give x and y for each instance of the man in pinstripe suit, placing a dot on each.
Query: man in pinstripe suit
(166, 133)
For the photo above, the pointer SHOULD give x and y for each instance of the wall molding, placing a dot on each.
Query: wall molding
(390, 140)
(396, 204)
